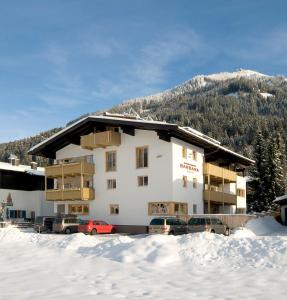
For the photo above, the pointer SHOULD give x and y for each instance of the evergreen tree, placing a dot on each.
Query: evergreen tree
(259, 176)
(276, 175)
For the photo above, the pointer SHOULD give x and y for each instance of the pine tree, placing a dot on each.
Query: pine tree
(258, 199)
(277, 166)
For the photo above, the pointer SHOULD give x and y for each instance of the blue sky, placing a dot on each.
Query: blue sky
(61, 59)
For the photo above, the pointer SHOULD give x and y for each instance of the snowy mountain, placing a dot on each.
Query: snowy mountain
(200, 82)
(227, 106)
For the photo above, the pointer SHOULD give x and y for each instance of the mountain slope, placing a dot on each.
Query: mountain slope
(229, 107)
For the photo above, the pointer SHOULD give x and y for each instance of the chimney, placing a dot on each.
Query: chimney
(13, 160)
(33, 165)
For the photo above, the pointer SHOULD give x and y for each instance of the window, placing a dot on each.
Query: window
(180, 208)
(240, 193)
(114, 209)
(184, 179)
(184, 152)
(111, 161)
(79, 209)
(194, 207)
(194, 183)
(194, 155)
(111, 184)
(61, 208)
(17, 214)
(142, 157)
(142, 180)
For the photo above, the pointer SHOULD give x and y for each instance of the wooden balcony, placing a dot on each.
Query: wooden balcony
(167, 208)
(218, 172)
(220, 197)
(70, 169)
(100, 140)
(70, 194)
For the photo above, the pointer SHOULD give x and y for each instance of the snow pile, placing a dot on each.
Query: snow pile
(266, 226)
(161, 250)
(243, 232)
(193, 266)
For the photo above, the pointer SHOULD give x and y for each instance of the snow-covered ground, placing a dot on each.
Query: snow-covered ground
(250, 264)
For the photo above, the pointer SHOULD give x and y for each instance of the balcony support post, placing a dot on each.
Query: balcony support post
(82, 181)
(222, 190)
(208, 187)
(63, 184)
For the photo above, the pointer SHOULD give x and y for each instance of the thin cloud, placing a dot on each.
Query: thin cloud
(272, 47)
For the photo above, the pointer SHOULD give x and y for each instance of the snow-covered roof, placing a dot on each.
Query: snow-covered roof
(281, 199)
(22, 168)
(86, 125)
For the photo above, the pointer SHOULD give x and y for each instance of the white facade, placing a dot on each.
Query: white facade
(165, 171)
(29, 201)
(32, 203)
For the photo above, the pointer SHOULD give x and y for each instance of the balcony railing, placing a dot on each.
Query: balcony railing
(70, 194)
(220, 197)
(101, 139)
(70, 169)
(215, 171)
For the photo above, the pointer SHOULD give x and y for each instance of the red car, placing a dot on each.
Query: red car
(96, 226)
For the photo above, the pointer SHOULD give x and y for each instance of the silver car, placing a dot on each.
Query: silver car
(167, 225)
(66, 225)
(209, 224)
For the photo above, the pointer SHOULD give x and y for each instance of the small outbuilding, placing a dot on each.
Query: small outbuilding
(282, 201)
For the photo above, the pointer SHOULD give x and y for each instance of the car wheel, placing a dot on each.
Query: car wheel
(113, 230)
(171, 233)
(94, 231)
(212, 231)
(227, 232)
(68, 231)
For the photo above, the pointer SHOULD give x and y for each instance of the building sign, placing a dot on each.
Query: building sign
(9, 201)
(189, 167)
(158, 208)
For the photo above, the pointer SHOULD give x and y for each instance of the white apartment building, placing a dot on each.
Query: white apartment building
(126, 171)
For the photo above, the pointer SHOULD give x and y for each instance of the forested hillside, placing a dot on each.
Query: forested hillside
(20, 148)
(230, 107)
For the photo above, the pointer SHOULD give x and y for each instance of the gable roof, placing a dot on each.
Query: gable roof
(71, 135)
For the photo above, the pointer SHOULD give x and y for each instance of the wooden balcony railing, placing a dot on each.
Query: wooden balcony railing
(101, 139)
(70, 194)
(70, 169)
(213, 170)
(220, 197)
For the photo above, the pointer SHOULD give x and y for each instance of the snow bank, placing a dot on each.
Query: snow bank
(192, 266)
(239, 249)
(266, 226)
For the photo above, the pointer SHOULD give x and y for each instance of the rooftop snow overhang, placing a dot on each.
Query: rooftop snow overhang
(166, 131)
(282, 200)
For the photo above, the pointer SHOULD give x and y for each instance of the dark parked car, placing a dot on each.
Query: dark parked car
(44, 224)
(209, 224)
(167, 225)
(66, 224)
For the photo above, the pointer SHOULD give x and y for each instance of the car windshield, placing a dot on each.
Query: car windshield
(157, 222)
(84, 222)
(196, 221)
